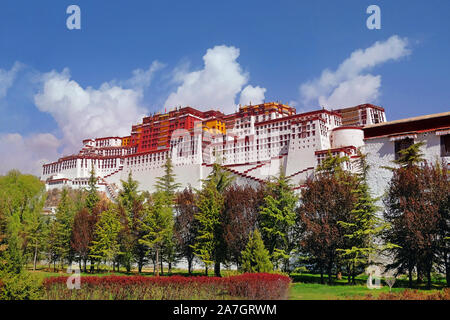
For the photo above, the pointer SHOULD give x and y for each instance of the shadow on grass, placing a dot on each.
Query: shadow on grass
(438, 283)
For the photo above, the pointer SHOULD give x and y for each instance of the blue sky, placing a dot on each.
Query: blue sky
(273, 45)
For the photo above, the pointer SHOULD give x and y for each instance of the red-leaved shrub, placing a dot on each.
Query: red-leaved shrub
(412, 295)
(246, 286)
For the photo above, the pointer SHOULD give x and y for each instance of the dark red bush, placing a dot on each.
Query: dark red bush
(247, 286)
(412, 295)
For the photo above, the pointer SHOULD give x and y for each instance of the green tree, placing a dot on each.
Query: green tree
(157, 225)
(222, 179)
(92, 197)
(106, 246)
(64, 224)
(362, 226)
(131, 207)
(167, 183)
(278, 219)
(255, 257)
(21, 200)
(210, 205)
(410, 156)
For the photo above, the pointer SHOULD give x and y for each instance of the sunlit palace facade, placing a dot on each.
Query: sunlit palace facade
(252, 143)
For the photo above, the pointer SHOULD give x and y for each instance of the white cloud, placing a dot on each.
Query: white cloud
(253, 95)
(87, 112)
(141, 79)
(27, 154)
(348, 85)
(356, 91)
(7, 78)
(214, 86)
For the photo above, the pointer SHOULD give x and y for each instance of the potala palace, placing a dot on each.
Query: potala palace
(252, 143)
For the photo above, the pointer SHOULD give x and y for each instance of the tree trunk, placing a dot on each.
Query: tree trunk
(162, 267)
(84, 265)
(35, 257)
(140, 265)
(410, 277)
(330, 274)
(170, 267)
(353, 274)
(217, 269)
(447, 268)
(321, 275)
(157, 262)
(79, 264)
(206, 270)
(190, 267)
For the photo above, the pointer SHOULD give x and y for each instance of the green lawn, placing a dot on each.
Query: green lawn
(316, 291)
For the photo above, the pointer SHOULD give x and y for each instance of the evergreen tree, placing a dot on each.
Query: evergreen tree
(210, 205)
(255, 257)
(92, 197)
(106, 246)
(410, 156)
(222, 178)
(131, 207)
(278, 218)
(362, 227)
(167, 183)
(157, 225)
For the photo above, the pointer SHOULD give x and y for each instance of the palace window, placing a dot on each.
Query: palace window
(445, 145)
(402, 145)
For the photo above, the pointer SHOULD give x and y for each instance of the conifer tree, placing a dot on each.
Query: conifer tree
(278, 218)
(362, 226)
(131, 206)
(255, 257)
(106, 246)
(92, 197)
(157, 225)
(410, 156)
(210, 205)
(167, 183)
(222, 178)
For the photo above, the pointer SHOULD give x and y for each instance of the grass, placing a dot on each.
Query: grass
(316, 291)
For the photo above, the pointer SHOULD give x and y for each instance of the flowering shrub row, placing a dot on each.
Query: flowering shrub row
(246, 286)
(412, 295)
